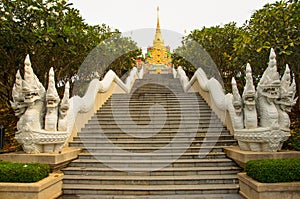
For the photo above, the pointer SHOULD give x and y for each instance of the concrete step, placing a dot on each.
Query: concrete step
(153, 127)
(152, 134)
(167, 149)
(158, 95)
(147, 171)
(177, 196)
(151, 180)
(155, 95)
(158, 113)
(145, 108)
(164, 138)
(155, 143)
(135, 163)
(149, 189)
(112, 121)
(144, 131)
(167, 126)
(125, 117)
(187, 117)
(158, 156)
(162, 101)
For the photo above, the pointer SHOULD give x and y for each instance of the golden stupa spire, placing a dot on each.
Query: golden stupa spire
(158, 41)
(158, 25)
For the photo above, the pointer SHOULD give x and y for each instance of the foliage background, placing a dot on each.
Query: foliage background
(231, 48)
(55, 35)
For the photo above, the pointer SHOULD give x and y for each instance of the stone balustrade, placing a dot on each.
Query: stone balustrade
(47, 122)
(270, 102)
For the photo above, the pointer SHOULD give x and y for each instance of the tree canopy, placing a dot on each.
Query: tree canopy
(277, 26)
(231, 47)
(55, 35)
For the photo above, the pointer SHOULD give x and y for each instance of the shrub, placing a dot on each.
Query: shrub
(18, 172)
(273, 171)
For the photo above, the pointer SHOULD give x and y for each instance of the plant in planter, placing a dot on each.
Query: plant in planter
(23, 173)
(29, 181)
(274, 179)
(273, 171)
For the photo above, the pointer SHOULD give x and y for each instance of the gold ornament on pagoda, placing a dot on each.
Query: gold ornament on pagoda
(159, 54)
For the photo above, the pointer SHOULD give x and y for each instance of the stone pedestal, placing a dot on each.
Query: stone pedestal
(242, 157)
(56, 161)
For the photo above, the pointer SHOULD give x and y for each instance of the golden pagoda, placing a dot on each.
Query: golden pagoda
(158, 56)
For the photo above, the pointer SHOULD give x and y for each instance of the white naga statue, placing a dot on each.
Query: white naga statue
(42, 123)
(250, 115)
(287, 99)
(271, 102)
(238, 106)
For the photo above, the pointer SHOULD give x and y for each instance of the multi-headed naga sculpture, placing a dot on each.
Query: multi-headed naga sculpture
(42, 123)
(272, 100)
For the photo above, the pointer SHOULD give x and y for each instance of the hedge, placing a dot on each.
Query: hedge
(274, 171)
(23, 173)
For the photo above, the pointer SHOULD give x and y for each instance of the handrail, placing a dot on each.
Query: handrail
(87, 105)
(174, 72)
(184, 80)
(141, 72)
(212, 91)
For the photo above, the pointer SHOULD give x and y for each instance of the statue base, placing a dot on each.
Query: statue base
(261, 139)
(42, 141)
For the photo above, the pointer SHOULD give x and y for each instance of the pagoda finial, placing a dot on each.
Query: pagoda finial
(158, 25)
(158, 41)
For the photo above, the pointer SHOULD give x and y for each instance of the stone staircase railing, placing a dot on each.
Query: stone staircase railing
(82, 108)
(270, 101)
(212, 92)
(47, 123)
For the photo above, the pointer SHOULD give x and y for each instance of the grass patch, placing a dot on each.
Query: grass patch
(23, 173)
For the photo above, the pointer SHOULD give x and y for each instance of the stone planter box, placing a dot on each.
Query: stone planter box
(47, 188)
(252, 189)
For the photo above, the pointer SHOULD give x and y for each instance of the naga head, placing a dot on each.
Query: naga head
(237, 100)
(18, 104)
(249, 90)
(269, 84)
(32, 88)
(52, 97)
(287, 91)
(18, 107)
(64, 105)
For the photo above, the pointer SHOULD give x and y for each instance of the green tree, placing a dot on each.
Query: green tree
(53, 33)
(216, 42)
(277, 26)
(116, 53)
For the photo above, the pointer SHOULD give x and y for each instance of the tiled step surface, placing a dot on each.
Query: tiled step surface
(156, 142)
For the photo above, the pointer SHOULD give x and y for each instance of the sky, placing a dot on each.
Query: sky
(177, 17)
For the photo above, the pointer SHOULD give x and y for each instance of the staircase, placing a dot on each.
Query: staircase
(156, 142)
